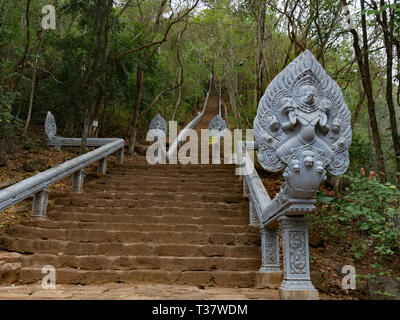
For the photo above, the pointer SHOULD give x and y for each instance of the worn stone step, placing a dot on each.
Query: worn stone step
(100, 236)
(10, 263)
(102, 262)
(54, 210)
(171, 170)
(139, 219)
(162, 188)
(183, 196)
(165, 183)
(122, 249)
(133, 203)
(50, 224)
(132, 165)
(145, 179)
(240, 279)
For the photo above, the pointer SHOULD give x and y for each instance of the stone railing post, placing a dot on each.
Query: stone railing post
(245, 189)
(296, 284)
(254, 221)
(39, 204)
(77, 181)
(120, 156)
(102, 166)
(270, 274)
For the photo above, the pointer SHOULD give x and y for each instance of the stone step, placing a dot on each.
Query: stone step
(102, 262)
(182, 196)
(162, 188)
(132, 165)
(173, 180)
(232, 204)
(104, 236)
(228, 279)
(140, 219)
(131, 249)
(10, 263)
(153, 227)
(170, 170)
(134, 183)
(54, 210)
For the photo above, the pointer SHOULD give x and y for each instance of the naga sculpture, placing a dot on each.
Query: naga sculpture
(159, 123)
(50, 126)
(217, 126)
(303, 127)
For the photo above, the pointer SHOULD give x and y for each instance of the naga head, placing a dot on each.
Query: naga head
(158, 123)
(309, 95)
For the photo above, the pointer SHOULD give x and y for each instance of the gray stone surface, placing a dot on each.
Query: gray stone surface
(302, 127)
(217, 126)
(158, 122)
(296, 264)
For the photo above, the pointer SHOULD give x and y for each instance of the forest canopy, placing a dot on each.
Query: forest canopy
(121, 62)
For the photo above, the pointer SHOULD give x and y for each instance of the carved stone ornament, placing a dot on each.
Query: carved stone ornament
(50, 126)
(217, 126)
(302, 127)
(158, 122)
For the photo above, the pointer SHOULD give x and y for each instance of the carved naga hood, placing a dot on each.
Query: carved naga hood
(303, 126)
(217, 126)
(159, 123)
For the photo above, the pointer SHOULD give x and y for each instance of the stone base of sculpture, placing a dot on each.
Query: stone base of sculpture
(269, 280)
(298, 294)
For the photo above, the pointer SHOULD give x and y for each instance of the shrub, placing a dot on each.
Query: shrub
(371, 207)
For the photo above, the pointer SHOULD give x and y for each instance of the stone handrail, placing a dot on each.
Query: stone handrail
(253, 187)
(182, 135)
(37, 185)
(58, 142)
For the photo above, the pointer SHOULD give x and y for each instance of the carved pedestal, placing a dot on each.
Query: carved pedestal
(296, 284)
(270, 274)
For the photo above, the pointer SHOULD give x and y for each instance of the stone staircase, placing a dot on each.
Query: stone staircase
(167, 224)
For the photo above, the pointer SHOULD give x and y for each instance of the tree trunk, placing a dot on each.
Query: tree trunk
(360, 103)
(261, 44)
(91, 79)
(387, 32)
(135, 120)
(27, 43)
(33, 82)
(364, 67)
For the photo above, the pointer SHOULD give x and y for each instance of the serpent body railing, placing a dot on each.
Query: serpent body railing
(183, 133)
(37, 185)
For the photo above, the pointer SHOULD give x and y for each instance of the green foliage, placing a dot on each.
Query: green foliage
(31, 143)
(371, 208)
(7, 125)
(360, 154)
